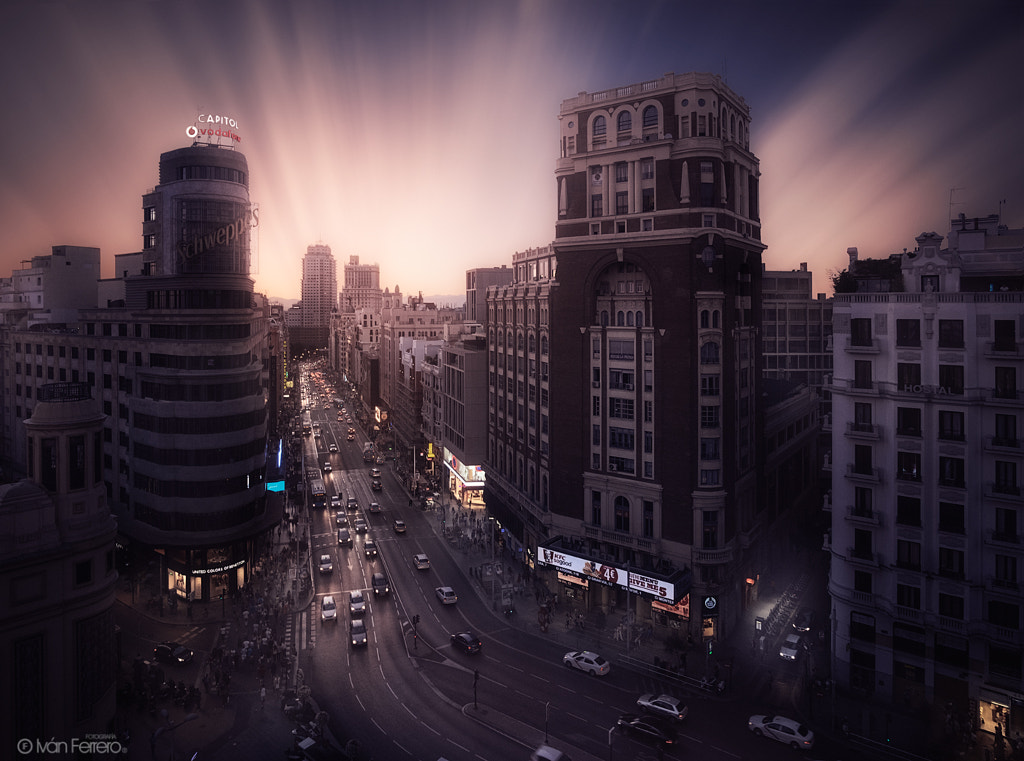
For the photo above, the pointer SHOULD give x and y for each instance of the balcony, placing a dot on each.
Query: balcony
(904, 613)
(711, 557)
(996, 583)
(954, 625)
(861, 517)
(1006, 635)
(863, 557)
(1003, 537)
(1003, 491)
(864, 475)
(863, 431)
(1003, 442)
(1004, 350)
(871, 346)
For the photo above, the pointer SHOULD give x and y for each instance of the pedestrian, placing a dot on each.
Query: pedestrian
(263, 697)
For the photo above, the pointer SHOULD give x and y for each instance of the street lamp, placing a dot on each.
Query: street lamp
(610, 732)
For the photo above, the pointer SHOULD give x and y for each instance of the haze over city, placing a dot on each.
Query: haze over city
(423, 137)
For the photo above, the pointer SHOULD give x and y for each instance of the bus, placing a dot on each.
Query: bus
(307, 424)
(317, 491)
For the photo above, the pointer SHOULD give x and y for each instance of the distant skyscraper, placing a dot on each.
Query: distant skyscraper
(319, 296)
(361, 289)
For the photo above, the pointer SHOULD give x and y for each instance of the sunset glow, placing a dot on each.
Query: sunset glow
(423, 136)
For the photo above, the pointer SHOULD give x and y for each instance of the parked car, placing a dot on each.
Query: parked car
(446, 595)
(585, 660)
(172, 652)
(788, 731)
(663, 705)
(356, 602)
(790, 648)
(421, 561)
(357, 632)
(326, 566)
(328, 610)
(379, 582)
(650, 729)
(467, 642)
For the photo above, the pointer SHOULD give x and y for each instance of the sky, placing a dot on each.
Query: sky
(422, 135)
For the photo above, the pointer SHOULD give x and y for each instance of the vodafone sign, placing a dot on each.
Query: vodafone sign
(211, 128)
(609, 575)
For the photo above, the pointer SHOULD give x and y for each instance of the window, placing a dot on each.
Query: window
(83, 572)
(951, 606)
(709, 353)
(709, 523)
(951, 378)
(862, 460)
(622, 203)
(595, 508)
(647, 201)
(862, 581)
(621, 438)
(951, 517)
(596, 205)
(1006, 431)
(908, 596)
(908, 375)
(621, 171)
(863, 544)
(620, 349)
(1005, 335)
(908, 554)
(951, 563)
(650, 117)
(1005, 614)
(908, 332)
(620, 408)
(929, 283)
(600, 126)
(951, 471)
(862, 374)
(709, 385)
(1006, 383)
(951, 425)
(862, 416)
(951, 334)
(625, 121)
(863, 502)
(1006, 570)
(709, 449)
(648, 519)
(710, 477)
(862, 627)
(908, 510)
(908, 466)
(860, 331)
(1006, 524)
(1006, 478)
(908, 421)
(708, 416)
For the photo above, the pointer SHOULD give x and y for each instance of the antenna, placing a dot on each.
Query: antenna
(1000, 215)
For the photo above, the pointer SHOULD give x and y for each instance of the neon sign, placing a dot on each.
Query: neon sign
(216, 126)
(219, 237)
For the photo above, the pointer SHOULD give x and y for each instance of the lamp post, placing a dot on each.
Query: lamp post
(547, 708)
(610, 732)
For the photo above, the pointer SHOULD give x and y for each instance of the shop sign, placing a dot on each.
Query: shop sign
(569, 578)
(218, 569)
(609, 575)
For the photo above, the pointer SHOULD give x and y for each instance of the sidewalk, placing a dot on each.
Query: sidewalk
(234, 720)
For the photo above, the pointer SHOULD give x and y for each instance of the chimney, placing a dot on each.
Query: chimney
(852, 253)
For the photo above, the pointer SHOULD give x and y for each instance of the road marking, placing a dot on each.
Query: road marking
(460, 747)
(400, 746)
(430, 728)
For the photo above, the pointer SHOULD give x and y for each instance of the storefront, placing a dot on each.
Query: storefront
(465, 482)
(207, 574)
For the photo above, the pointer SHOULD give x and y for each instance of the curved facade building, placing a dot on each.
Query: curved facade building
(188, 351)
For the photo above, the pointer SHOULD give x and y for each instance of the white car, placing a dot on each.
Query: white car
(326, 566)
(788, 731)
(332, 447)
(663, 705)
(584, 660)
(356, 603)
(790, 647)
(446, 595)
(328, 610)
(421, 561)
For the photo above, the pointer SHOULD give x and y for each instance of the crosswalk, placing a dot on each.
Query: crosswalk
(300, 630)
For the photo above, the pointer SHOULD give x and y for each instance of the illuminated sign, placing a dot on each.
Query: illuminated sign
(214, 126)
(218, 569)
(219, 237)
(609, 575)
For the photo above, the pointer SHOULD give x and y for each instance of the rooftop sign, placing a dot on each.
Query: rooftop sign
(210, 128)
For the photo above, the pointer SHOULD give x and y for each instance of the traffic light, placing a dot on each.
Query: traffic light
(711, 647)
(415, 619)
(476, 676)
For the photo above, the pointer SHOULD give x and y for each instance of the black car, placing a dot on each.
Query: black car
(172, 652)
(467, 642)
(649, 729)
(805, 620)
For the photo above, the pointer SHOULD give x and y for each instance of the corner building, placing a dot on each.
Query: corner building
(640, 487)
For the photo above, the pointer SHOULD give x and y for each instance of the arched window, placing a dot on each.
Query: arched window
(620, 318)
(714, 319)
(639, 319)
(650, 117)
(709, 353)
(625, 121)
(600, 126)
(544, 345)
(604, 318)
(533, 344)
(629, 319)
(519, 342)
(705, 317)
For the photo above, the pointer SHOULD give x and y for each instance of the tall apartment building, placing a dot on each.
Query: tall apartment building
(797, 329)
(644, 357)
(319, 298)
(180, 366)
(927, 558)
(478, 280)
